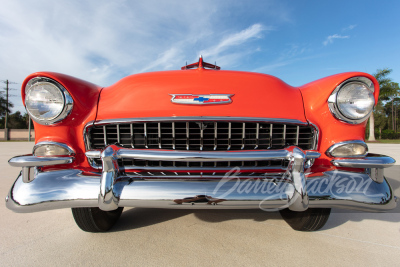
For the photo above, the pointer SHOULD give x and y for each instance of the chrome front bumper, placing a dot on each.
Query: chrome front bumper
(295, 190)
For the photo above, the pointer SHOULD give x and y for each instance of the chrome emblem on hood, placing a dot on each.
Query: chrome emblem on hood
(201, 99)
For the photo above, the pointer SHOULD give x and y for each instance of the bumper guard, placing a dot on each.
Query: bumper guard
(297, 191)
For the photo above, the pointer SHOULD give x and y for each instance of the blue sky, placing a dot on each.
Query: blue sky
(104, 41)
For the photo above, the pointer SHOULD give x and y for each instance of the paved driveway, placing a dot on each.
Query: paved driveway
(159, 237)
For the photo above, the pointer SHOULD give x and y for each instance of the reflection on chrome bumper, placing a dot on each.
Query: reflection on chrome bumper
(27, 163)
(374, 164)
(113, 189)
(69, 188)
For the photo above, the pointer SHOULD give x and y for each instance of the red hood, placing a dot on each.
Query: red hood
(148, 95)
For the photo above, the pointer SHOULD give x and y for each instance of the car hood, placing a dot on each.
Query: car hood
(149, 95)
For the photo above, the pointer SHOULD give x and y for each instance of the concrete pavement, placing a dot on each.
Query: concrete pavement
(156, 237)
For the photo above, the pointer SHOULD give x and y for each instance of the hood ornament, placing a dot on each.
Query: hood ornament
(201, 65)
(201, 99)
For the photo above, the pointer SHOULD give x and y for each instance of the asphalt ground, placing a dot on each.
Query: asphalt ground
(157, 237)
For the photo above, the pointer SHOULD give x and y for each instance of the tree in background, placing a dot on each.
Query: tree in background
(389, 90)
(3, 105)
(16, 121)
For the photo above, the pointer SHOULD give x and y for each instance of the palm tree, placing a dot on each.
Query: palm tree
(388, 91)
(3, 105)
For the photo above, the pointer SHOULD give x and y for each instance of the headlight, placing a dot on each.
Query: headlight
(348, 149)
(47, 101)
(353, 100)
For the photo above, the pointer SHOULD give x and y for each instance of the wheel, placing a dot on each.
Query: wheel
(95, 220)
(309, 220)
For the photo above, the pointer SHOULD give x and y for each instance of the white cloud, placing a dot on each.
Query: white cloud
(103, 41)
(330, 38)
(235, 39)
(350, 27)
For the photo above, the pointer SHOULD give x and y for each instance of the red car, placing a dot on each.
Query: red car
(247, 140)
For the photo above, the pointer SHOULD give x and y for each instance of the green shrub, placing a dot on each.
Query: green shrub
(390, 134)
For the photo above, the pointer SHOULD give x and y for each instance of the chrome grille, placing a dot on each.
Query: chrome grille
(201, 135)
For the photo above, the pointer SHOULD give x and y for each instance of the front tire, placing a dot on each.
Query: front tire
(308, 220)
(95, 220)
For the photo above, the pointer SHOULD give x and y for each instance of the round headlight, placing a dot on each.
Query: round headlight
(46, 101)
(353, 100)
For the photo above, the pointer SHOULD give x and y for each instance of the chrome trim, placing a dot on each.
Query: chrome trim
(316, 135)
(333, 97)
(189, 178)
(215, 119)
(187, 119)
(198, 118)
(68, 148)
(29, 164)
(118, 135)
(203, 156)
(204, 169)
(105, 135)
(229, 135)
(110, 193)
(257, 135)
(175, 101)
(312, 154)
(86, 134)
(131, 132)
(108, 198)
(334, 146)
(68, 101)
(181, 155)
(93, 154)
(187, 135)
(284, 135)
(33, 161)
(71, 189)
(370, 161)
(215, 135)
(299, 201)
(270, 134)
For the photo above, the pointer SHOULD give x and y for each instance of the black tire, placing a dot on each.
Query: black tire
(309, 220)
(95, 220)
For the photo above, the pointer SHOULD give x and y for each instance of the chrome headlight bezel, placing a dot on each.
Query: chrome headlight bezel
(68, 150)
(331, 149)
(67, 99)
(333, 105)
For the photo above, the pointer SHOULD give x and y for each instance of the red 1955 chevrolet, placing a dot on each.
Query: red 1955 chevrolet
(200, 136)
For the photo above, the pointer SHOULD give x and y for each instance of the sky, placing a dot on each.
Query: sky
(103, 41)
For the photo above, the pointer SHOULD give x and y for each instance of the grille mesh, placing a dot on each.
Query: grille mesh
(202, 135)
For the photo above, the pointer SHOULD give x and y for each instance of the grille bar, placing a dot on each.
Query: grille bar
(145, 135)
(202, 135)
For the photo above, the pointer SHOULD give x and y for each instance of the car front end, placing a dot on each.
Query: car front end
(201, 138)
